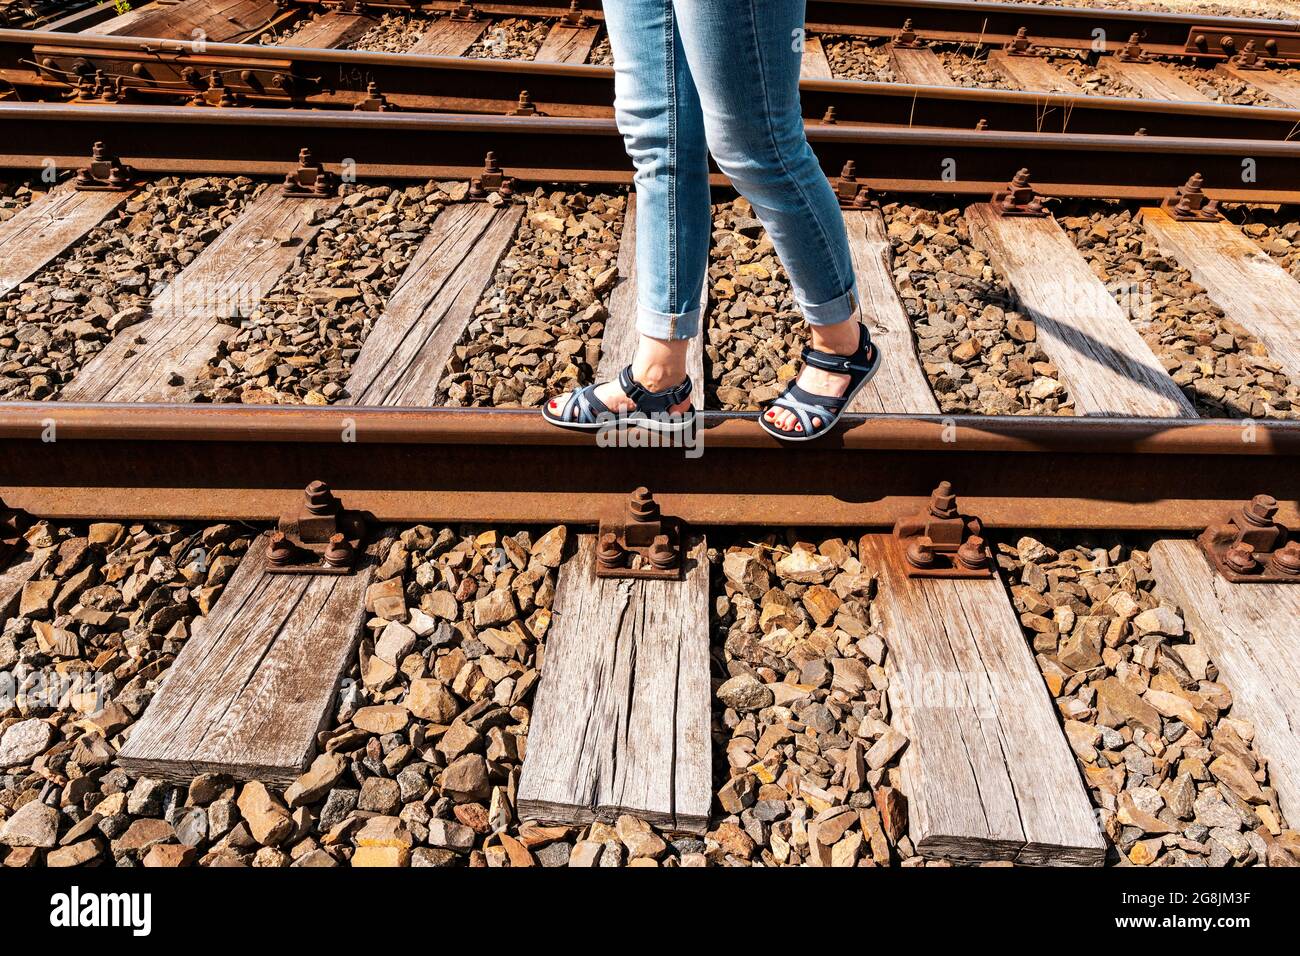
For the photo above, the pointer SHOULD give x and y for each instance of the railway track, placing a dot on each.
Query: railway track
(952, 661)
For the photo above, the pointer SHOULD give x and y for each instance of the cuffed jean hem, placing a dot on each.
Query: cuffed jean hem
(833, 312)
(668, 325)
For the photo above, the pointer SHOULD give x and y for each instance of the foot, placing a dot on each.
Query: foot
(839, 339)
(655, 378)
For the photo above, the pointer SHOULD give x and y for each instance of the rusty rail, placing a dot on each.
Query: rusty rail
(550, 149)
(406, 464)
(47, 65)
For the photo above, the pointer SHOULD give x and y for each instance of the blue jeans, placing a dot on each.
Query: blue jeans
(693, 77)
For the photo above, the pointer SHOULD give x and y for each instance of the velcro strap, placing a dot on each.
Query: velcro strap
(648, 401)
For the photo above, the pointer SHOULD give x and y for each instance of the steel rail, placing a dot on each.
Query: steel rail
(549, 149)
(45, 64)
(966, 21)
(409, 464)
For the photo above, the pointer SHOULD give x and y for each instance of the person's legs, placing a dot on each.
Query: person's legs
(744, 56)
(658, 112)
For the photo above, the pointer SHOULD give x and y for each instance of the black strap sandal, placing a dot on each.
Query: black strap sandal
(860, 367)
(583, 411)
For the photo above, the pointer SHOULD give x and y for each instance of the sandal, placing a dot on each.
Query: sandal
(860, 367)
(582, 410)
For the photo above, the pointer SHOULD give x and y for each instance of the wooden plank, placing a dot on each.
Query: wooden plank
(1103, 361)
(13, 578)
(404, 355)
(900, 385)
(987, 771)
(814, 65)
(256, 680)
(448, 37)
(621, 721)
(920, 65)
(1284, 86)
(1249, 631)
(189, 319)
(567, 44)
(619, 342)
(1032, 73)
(47, 227)
(216, 21)
(1240, 277)
(331, 31)
(1155, 81)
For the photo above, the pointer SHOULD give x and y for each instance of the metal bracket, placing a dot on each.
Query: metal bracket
(310, 180)
(12, 541)
(1019, 199)
(465, 11)
(906, 38)
(851, 193)
(493, 179)
(216, 93)
(1021, 45)
(1190, 204)
(320, 537)
(640, 543)
(104, 174)
(525, 106)
(1276, 44)
(941, 542)
(1250, 547)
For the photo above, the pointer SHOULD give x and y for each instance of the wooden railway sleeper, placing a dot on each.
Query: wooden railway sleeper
(319, 536)
(640, 542)
(940, 542)
(1249, 547)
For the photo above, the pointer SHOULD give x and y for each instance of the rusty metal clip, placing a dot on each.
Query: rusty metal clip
(1250, 547)
(1019, 198)
(941, 542)
(906, 38)
(310, 180)
(104, 174)
(320, 537)
(641, 543)
(1190, 204)
(465, 11)
(525, 106)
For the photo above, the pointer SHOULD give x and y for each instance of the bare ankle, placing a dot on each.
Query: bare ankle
(657, 376)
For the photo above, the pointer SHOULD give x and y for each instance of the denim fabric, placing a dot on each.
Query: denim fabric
(693, 77)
